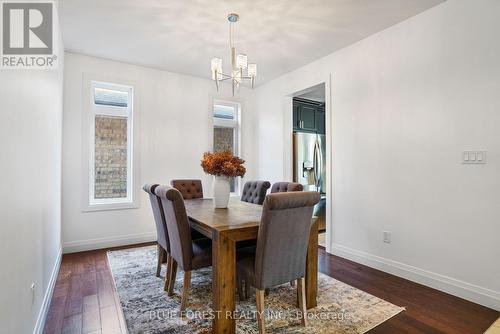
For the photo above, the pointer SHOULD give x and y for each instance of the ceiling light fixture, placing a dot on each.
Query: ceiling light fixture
(239, 63)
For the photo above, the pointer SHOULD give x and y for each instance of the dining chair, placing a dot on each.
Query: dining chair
(283, 187)
(161, 231)
(280, 255)
(187, 253)
(255, 191)
(189, 188)
(163, 242)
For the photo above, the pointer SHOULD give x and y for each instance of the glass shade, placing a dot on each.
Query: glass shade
(241, 61)
(216, 65)
(252, 70)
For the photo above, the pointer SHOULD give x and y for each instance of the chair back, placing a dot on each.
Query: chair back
(283, 187)
(283, 237)
(159, 216)
(255, 191)
(189, 188)
(179, 231)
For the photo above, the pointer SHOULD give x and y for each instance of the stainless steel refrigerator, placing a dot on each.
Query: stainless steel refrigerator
(309, 162)
(309, 167)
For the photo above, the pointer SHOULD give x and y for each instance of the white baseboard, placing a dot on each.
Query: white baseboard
(120, 240)
(471, 292)
(42, 314)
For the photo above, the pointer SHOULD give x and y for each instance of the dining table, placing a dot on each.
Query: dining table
(238, 222)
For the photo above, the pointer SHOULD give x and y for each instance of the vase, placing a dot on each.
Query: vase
(221, 191)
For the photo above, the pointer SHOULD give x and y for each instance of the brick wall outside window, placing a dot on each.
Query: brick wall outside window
(224, 140)
(110, 157)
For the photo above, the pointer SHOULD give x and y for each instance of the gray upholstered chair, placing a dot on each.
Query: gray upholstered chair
(161, 231)
(255, 191)
(283, 187)
(189, 188)
(280, 256)
(187, 253)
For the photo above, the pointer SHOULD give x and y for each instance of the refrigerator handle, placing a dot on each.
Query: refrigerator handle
(320, 171)
(316, 163)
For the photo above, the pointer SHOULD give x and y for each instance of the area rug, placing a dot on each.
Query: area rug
(147, 309)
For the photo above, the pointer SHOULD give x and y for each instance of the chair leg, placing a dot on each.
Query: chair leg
(161, 253)
(240, 288)
(292, 283)
(173, 275)
(169, 272)
(301, 292)
(247, 290)
(267, 292)
(185, 289)
(259, 297)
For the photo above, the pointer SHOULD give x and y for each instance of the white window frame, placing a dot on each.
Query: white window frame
(235, 124)
(94, 110)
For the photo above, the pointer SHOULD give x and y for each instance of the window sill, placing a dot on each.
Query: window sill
(110, 206)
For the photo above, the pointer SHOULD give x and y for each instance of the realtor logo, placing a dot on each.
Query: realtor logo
(28, 35)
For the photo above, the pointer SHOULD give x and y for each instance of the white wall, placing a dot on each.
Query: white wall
(406, 102)
(30, 197)
(172, 115)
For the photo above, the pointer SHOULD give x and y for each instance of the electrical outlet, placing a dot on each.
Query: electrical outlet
(32, 293)
(386, 237)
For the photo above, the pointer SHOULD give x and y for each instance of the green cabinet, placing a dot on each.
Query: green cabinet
(308, 116)
(320, 119)
(296, 118)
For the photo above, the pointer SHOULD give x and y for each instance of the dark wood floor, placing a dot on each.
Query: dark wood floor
(85, 301)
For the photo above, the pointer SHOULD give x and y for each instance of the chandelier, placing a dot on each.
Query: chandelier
(239, 63)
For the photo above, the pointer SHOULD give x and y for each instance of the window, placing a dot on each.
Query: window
(110, 151)
(227, 132)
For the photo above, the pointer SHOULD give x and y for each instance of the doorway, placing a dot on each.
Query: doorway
(310, 150)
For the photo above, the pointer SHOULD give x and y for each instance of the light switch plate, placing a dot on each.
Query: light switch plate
(474, 157)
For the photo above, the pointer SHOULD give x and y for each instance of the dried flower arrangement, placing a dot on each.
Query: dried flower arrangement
(223, 163)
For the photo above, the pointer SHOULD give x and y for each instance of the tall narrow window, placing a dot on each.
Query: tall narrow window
(226, 117)
(110, 144)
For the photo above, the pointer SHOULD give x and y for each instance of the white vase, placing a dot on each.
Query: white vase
(221, 189)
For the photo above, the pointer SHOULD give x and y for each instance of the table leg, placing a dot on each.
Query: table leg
(223, 283)
(312, 267)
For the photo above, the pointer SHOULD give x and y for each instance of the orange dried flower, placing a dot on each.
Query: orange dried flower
(223, 163)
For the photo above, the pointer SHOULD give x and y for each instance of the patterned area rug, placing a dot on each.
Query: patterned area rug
(147, 309)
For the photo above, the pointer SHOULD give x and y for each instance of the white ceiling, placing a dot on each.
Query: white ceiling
(183, 35)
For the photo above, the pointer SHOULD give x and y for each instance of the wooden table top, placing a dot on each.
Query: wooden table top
(237, 215)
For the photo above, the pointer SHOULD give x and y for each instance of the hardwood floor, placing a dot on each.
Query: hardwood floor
(85, 300)
(427, 310)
